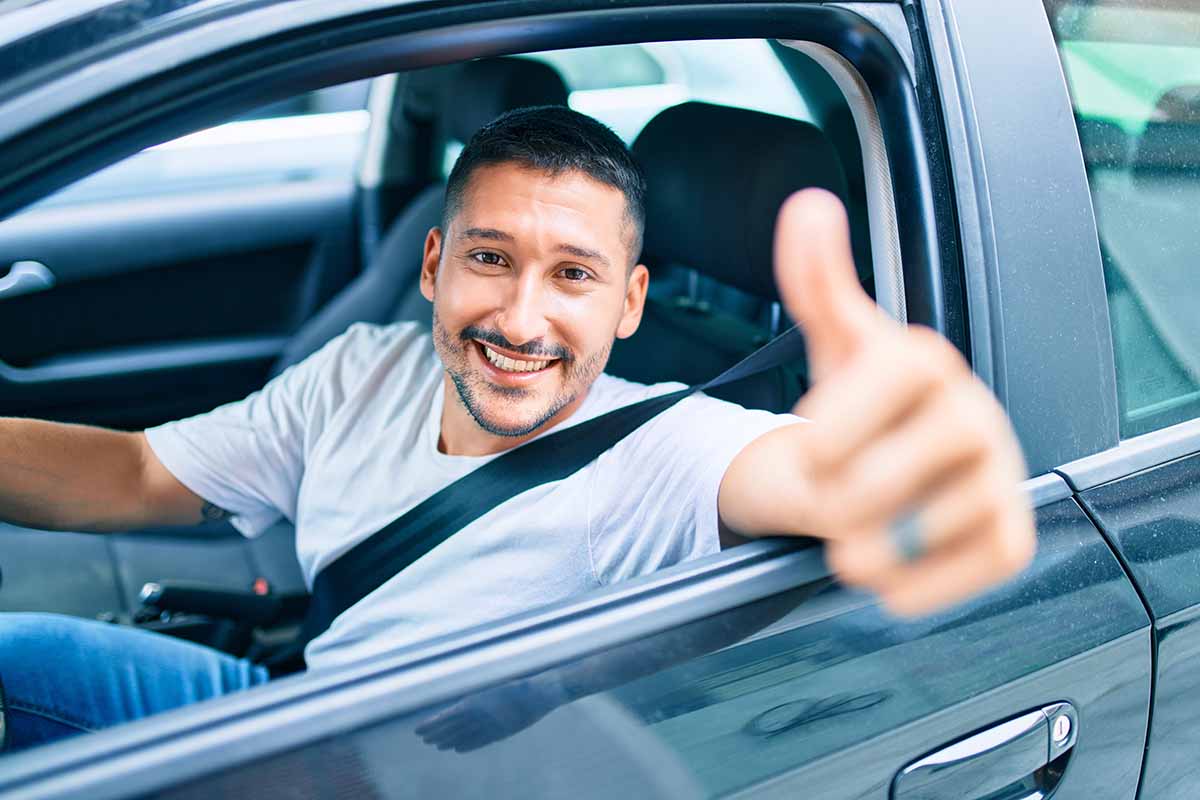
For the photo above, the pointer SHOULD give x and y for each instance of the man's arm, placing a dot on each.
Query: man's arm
(900, 432)
(80, 478)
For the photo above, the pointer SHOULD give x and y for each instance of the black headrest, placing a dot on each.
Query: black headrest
(716, 178)
(1171, 140)
(480, 91)
(1104, 142)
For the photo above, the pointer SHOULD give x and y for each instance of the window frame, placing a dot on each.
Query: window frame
(1035, 296)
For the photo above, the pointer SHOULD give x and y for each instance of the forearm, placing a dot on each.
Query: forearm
(767, 489)
(73, 477)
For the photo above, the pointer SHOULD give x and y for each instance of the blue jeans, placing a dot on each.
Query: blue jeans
(64, 675)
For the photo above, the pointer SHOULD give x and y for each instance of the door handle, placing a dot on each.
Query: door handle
(26, 277)
(1007, 762)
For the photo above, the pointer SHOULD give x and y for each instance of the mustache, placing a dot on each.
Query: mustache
(536, 348)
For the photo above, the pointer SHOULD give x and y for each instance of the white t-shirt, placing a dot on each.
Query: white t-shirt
(346, 441)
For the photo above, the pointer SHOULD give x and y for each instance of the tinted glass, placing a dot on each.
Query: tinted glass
(1133, 69)
(626, 85)
(311, 136)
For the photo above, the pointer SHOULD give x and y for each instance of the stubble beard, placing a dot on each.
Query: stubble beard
(578, 376)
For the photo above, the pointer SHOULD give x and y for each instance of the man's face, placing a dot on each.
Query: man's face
(530, 283)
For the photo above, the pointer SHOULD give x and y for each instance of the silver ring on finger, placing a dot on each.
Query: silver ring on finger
(908, 537)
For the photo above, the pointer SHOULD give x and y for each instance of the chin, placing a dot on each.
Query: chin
(506, 411)
(508, 425)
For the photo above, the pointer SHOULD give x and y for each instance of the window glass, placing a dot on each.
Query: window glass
(1133, 70)
(626, 85)
(311, 136)
(611, 67)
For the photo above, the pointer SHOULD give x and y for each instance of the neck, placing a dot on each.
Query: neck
(462, 436)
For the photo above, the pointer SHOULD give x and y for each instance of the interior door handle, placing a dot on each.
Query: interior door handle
(26, 277)
(1007, 761)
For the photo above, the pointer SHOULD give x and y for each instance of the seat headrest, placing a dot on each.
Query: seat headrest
(1170, 142)
(716, 177)
(482, 90)
(1104, 142)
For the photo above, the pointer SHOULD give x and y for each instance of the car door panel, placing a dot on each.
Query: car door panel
(162, 309)
(132, 388)
(816, 708)
(151, 293)
(1152, 518)
(794, 694)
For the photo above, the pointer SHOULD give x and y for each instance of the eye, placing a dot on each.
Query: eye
(575, 274)
(488, 258)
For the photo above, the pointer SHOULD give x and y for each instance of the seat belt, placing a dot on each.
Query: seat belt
(375, 560)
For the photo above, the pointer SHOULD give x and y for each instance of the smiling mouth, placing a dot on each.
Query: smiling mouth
(517, 366)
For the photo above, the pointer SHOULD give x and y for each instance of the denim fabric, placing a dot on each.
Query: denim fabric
(64, 675)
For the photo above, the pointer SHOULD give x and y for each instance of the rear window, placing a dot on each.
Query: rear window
(1133, 70)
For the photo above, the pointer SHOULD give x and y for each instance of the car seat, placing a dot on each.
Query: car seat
(716, 179)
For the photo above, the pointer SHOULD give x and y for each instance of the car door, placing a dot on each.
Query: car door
(164, 286)
(747, 673)
(168, 283)
(1134, 73)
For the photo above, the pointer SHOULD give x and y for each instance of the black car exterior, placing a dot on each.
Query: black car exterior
(1073, 680)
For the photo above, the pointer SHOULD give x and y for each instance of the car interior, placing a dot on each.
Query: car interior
(131, 310)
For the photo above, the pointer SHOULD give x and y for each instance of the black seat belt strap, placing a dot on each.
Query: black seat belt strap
(375, 560)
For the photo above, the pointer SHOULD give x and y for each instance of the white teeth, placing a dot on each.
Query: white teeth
(512, 365)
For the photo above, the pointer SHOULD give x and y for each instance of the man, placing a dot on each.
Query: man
(532, 275)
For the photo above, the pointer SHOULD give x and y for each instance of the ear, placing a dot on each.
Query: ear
(635, 301)
(429, 264)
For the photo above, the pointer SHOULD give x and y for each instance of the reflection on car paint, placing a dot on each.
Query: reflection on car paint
(787, 717)
(786, 690)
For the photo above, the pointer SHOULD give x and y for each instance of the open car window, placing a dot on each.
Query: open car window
(251, 218)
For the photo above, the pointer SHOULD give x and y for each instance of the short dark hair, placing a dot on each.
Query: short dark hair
(553, 139)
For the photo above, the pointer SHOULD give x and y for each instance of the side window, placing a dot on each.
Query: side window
(307, 137)
(624, 86)
(1133, 70)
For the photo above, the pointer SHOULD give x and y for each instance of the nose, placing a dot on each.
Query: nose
(522, 317)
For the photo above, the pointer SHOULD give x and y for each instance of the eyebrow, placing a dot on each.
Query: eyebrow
(583, 252)
(496, 235)
(488, 233)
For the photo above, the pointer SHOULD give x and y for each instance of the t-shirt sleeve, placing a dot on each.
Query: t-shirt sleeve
(653, 502)
(248, 457)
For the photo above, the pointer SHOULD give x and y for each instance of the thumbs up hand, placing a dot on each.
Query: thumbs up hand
(909, 468)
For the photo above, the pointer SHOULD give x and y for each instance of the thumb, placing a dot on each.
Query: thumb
(814, 269)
